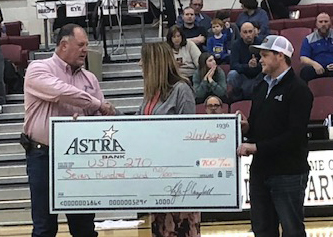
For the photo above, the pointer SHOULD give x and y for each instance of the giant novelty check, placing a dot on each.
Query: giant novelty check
(145, 164)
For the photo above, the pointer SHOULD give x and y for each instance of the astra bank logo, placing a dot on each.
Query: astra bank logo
(105, 145)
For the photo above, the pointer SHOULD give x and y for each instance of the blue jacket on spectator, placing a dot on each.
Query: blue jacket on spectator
(259, 16)
(240, 57)
(219, 47)
(318, 48)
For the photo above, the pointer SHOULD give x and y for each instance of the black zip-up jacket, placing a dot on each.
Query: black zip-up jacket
(278, 126)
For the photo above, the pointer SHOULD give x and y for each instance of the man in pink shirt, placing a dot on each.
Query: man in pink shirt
(57, 86)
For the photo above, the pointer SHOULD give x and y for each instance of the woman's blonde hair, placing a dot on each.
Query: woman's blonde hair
(160, 70)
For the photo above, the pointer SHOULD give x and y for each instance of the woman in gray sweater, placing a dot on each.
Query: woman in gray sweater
(167, 92)
(209, 79)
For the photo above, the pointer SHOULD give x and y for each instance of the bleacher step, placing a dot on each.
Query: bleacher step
(20, 179)
(124, 73)
(11, 127)
(12, 170)
(109, 88)
(11, 148)
(10, 136)
(120, 66)
(128, 83)
(18, 109)
(12, 157)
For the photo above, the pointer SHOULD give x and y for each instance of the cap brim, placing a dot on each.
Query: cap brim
(257, 48)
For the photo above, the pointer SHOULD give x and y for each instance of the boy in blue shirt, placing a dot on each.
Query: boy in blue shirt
(217, 44)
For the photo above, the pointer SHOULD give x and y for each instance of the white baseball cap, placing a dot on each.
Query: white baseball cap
(275, 43)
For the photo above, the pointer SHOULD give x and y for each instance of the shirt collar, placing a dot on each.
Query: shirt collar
(330, 34)
(63, 65)
(254, 13)
(269, 79)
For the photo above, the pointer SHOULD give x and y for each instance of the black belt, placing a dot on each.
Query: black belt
(37, 145)
(29, 144)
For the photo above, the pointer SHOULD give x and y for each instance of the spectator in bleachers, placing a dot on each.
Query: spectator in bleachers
(279, 8)
(209, 79)
(213, 105)
(317, 50)
(197, 34)
(185, 51)
(252, 13)
(224, 16)
(201, 19)
(218, 43)
(245, 67)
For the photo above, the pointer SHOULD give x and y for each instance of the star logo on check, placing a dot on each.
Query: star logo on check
(109, 133)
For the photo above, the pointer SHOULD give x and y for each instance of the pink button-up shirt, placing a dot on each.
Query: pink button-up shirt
(51, 89)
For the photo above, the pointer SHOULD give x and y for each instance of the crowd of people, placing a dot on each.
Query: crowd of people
(220, 42)
(178, 74)
(229, 43)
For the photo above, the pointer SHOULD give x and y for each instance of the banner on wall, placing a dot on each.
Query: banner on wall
(319, 191)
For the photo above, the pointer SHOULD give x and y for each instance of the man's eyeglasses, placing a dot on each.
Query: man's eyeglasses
(211, 106)
(197, 4)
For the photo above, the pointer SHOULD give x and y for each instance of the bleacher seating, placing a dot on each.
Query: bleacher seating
(303, 22)
(28, 43)
(308, 13)
(225, 68)
(244, 106)
(328, 8)
(277, 24)
(13, 53)
(233, 13)
(321, 108)
(321, 86)
(13, 28)
(296, 36)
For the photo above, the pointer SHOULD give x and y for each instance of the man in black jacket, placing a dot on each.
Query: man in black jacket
(277, 133)
(244, 65)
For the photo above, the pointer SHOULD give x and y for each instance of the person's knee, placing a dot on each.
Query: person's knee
(308, 73)
(232, 77)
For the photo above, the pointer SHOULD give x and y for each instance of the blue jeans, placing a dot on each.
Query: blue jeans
(242, 84)
(308, 73)
(45, 224)
(278, 199)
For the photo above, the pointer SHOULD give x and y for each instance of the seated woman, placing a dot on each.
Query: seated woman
(209, 79)
(185, 51)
